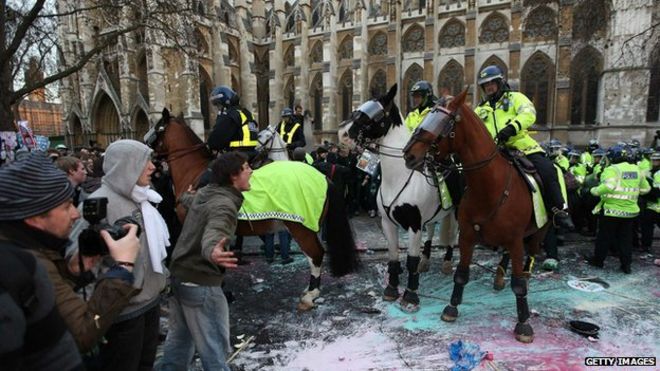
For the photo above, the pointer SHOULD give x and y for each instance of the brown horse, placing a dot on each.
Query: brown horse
(188, 157)
(496, 209)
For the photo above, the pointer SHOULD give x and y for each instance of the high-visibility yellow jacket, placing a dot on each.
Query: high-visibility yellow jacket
(620, 186)
(513, 109)
(415, 117)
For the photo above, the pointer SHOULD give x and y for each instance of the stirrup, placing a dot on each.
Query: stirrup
(561, 219)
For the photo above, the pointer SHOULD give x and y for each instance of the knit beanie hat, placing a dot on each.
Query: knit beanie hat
(32, 186)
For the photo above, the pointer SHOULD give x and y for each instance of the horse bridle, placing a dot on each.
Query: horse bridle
(447, 130)
(171, 156)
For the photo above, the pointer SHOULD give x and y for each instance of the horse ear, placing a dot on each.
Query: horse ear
(390, 94)
(458, 100)
(166, 112)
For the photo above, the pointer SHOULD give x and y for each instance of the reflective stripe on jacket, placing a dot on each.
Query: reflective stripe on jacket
(248, 134)
(620, 186)
(288, 136)
(513, 109)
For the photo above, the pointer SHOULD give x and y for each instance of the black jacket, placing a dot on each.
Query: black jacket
(298, 139)
(228, 128)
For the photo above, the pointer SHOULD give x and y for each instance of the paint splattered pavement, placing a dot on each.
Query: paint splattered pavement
(354, 329)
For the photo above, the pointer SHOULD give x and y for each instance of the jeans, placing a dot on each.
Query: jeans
(131, 344)
(285, 242)
(199, 320)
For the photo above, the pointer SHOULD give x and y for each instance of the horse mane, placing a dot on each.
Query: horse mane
(189, 132)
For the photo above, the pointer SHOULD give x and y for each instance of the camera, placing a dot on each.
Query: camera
(90, 242)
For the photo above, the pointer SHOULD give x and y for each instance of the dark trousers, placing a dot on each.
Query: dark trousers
(131, 344)
(550, 244)
(614, 234)
(648, 220)
(551, 190)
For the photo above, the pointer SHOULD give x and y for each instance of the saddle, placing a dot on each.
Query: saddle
(524, 166)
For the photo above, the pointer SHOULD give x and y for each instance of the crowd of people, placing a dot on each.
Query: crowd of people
(129, 245)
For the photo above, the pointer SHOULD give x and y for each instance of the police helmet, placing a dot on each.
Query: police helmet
(647, 151)
(422, 88)
(490, 73)
(655, 156)
(61, 146)
(555, 144)
(287, 112)
(593, 144)
(635, 143)
(224, 96)
(599, 152)
(616, 154)
(574, 153)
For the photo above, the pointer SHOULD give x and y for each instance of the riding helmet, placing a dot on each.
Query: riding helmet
(287, 112)
(224, 96)
(490, 73)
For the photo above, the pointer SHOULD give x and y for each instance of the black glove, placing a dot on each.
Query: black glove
(505, 134)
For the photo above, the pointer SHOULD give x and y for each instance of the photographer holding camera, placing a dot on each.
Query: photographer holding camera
(133, 337)
(36, 215)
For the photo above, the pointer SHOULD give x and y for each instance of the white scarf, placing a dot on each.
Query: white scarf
(158, 237)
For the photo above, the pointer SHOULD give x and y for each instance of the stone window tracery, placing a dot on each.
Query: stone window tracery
(378, 44)
(451, 77)
(590, 18)
(346, 49)
(413, 40)
(537, 79)
(495, 29)
(378, 85)
(317, 53)
(452, 34)
(289, 59)
(541, 23)
(586, 69)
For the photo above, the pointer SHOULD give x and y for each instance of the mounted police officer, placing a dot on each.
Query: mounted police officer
(423, 100)
(507, 116)
(620, 186)
(235, 128)
(291, 130)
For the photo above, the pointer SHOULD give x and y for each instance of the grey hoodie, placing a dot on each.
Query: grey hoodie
(123, 164)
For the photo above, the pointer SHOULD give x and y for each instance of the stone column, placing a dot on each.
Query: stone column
(155, 77)
(301, 54)
(330, 79)
(470, 45)
(276, 64)
(361, 58)
(248, 77)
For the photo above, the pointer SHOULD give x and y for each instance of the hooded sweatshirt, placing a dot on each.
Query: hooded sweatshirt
(123, 164)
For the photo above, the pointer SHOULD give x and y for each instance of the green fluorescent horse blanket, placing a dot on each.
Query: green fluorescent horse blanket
(286, 190)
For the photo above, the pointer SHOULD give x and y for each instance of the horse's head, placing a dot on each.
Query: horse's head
(155, 137)
(438, 124)
(371, 121)
(265, 137)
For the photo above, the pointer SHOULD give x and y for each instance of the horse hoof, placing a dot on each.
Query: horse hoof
(446, 267)
(409, 307)
(390, 293)
(304, 307)
(524, 333)
(424, 265)
(410, 297)
(449, 314)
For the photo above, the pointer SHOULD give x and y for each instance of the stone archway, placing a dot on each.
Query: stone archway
(141, 125)
(106, 122)
(78, 134)
(205, 87)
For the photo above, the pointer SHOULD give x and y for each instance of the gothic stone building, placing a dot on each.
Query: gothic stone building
(592, 67)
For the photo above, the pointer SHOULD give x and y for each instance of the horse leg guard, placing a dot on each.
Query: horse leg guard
(391, 292)
(461, 278)
(410, 300)
(446, 262)
(425, 263)
(523, 331)
(498, 283)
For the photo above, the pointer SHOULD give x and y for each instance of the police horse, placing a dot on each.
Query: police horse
(188, 157)
(496, 210)
(406, 199)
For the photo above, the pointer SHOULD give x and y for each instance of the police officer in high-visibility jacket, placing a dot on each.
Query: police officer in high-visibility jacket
(291, 130)
(651, 214)
(620, 186)
(423, 100)
(235, 128)
(585, 158)
(507, 116)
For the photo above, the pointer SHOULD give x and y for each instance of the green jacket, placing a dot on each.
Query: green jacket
(580, 172)
(620, 186)
(519, 113)
(562, 162)
(415, 117)
(645, 167)
(655, 204)
(586, 159)
(212, 215)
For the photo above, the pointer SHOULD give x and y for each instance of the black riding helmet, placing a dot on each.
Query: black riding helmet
(224, 96)
(493, 73)
(424, 89)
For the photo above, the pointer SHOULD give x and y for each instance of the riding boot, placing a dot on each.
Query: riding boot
(562, 219)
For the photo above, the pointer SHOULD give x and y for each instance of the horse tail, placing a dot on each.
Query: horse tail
(341, 248)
